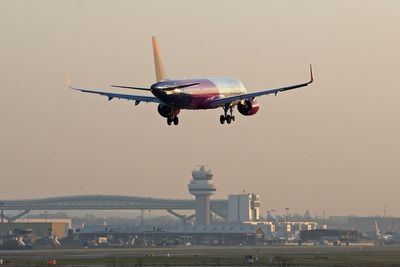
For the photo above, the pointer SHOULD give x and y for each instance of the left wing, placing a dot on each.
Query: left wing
(136, 98)
(230, 99)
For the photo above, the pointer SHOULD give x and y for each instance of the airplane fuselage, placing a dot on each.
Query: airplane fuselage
(198, 96)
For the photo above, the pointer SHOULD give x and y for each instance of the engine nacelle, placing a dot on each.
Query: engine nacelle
(167, 111)
(248, 107)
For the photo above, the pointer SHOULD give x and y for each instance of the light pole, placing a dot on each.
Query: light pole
(287, 223)
(287, 214)
(2, 221)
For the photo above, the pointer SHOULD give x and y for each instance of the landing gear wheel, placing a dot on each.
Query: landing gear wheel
(228, 119)
(176, 120)
(169, 120)
(222, 119)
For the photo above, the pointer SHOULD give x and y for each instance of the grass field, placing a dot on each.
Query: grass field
(210, 256)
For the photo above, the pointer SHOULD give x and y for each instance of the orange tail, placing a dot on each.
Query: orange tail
(158, 63)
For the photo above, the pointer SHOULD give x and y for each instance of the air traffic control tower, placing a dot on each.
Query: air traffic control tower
(202, 188)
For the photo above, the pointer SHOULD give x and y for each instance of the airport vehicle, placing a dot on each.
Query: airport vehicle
(206, 93)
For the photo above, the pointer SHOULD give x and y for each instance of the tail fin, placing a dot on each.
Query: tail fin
(377, 232)
(158, 63)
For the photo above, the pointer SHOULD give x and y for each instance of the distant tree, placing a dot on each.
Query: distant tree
(295, 217)
(164, 220)
(116, 220)
(307, 215)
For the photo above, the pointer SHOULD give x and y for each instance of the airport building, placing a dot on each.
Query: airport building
(241, 207)
(202, 188)
(204, 220)
(39, 228)
(212, 234)
(244, 208)
(330, 235)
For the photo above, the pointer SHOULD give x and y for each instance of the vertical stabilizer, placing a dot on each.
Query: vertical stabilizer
(377, 232)
(158, 63)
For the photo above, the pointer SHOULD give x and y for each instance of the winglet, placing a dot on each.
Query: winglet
(67, 80)
(311, 74)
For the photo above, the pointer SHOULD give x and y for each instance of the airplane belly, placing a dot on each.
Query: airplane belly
(178, 100)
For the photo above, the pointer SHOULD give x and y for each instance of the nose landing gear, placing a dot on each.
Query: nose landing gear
(173, 119)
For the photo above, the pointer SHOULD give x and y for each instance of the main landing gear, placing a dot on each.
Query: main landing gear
(174, 120)
(227, 117)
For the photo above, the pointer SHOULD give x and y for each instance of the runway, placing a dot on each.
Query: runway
(192, 251)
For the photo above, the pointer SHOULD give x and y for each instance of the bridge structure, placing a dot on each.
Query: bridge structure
(110, 202)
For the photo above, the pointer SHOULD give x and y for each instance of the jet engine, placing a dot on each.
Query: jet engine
(248, 107)
(167, 111)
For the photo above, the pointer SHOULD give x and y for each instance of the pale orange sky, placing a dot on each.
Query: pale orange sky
(333, 145)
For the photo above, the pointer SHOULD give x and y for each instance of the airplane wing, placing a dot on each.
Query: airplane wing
(136, 98)
(227, 100)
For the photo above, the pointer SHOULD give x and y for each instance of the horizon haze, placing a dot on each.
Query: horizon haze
(331, 146)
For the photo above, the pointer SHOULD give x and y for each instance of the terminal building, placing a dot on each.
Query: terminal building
(146, 235)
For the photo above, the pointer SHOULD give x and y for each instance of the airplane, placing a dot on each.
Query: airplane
(172, 95)
(383, 237)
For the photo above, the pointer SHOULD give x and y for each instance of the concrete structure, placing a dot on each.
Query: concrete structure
(109, 202)
(202, 188)
(243, 208)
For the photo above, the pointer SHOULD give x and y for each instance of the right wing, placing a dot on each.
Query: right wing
(228, 100)
(136, 98)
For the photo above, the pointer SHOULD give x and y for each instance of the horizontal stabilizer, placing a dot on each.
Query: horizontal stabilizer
(187, 85)
(168, 87)
(173, 87)
(131, 87)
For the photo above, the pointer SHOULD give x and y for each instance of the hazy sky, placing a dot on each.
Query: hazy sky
(333, 145)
